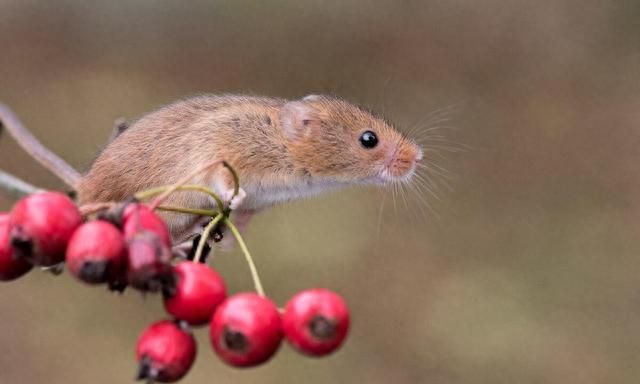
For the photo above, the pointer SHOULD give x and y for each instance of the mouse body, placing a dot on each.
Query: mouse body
(282, 150)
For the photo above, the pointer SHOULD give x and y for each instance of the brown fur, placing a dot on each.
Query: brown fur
(281, 150)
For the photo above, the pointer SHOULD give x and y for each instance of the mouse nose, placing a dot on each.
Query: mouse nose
(418, 154)
(403, 160)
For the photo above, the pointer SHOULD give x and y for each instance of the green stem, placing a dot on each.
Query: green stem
(247, 255)
(192, 211)
(189, 187)
(205, 236)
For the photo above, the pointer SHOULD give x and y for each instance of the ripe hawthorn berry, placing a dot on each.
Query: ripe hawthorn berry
(148, 262)
(139, 217)
(195, 293)
(96, 253)
(316, 321)
(41, 226)
(10, 267)
(246, 330)
(165, 352)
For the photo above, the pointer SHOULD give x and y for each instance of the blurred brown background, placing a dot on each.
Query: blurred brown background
(525, 271)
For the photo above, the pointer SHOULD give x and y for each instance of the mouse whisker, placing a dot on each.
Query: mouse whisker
(422, 202)
(380, 211)
(435, 117)
(439, 113)
(432, 166)
(423, 198)
(430, 187)
(441, 141)
(439, 178)
(403, 194)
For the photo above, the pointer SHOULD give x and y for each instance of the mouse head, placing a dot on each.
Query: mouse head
(334, 140)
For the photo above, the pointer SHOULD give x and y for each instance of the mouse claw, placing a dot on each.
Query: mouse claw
(234, 201)
(237, 200)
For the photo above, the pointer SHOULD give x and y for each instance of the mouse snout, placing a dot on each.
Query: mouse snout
(402, 162)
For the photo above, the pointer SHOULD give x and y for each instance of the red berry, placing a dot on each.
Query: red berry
(196, 293)
(165, 352)
(316, 321)
(96, 253)
(138, 217)
(10, 267)
(148, 262)
(41, 226)
(246, 330)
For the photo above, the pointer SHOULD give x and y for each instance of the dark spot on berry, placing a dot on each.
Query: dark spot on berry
(169, 286)
(21, 243)
(146, 370)
(234, 341)
(322, 328)
(95, 271)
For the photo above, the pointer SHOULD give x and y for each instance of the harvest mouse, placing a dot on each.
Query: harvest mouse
(282, 150)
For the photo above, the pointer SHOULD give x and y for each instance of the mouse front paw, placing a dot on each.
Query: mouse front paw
(234, 201)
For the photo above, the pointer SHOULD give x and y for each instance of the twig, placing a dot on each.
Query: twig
(33, 147)
(16, 187)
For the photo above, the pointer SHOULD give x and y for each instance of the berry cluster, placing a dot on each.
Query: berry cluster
(129, 245)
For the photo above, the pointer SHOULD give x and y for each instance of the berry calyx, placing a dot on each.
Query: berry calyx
(246, 330)
(165, 352)
(316, 321)
(41, 226)
(10, 267)
(96, 253)
(196, 292)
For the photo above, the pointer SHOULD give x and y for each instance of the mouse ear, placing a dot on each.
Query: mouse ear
(297, 119)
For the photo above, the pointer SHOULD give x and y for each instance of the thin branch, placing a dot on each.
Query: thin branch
(33, 147)
(16, 187)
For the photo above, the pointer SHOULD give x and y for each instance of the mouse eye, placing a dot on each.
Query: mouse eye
(368, 139)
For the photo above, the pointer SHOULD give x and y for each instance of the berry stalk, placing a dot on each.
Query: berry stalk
(247, 256)
(143, 195)
(205, 235)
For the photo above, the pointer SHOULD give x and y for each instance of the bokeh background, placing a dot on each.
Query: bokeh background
(525, 270)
